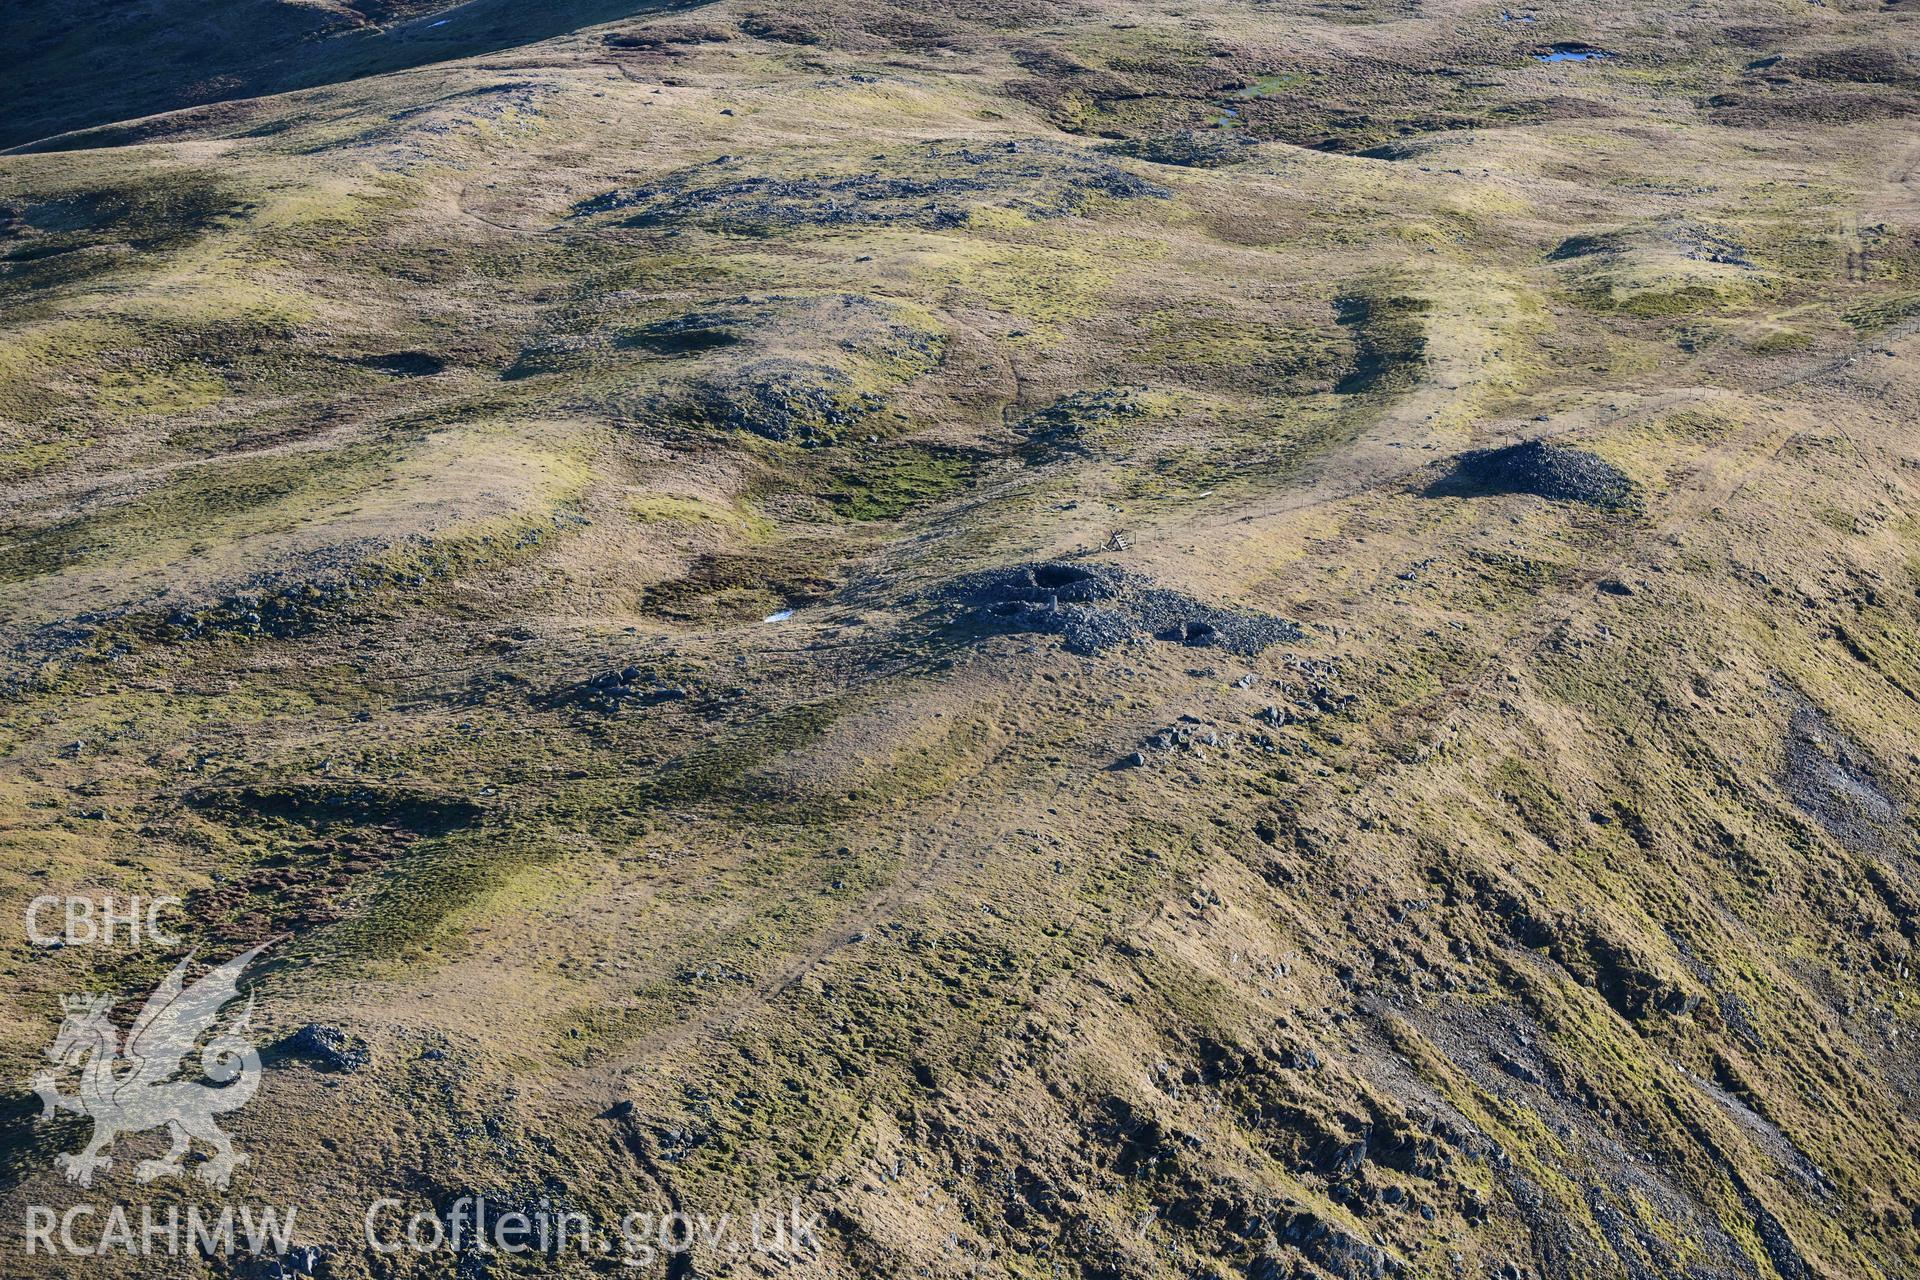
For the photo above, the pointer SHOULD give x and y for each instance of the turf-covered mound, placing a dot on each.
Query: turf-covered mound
(1545, 470)
(930, 188)
(1188, 149)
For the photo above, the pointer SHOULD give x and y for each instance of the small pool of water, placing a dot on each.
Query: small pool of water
(781, 616)
(1574, 55)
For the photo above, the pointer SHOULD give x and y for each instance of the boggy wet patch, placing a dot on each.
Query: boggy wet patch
(1097, 607)
(885, 483)
(742, 586)
(935, 189)
(1574, 52)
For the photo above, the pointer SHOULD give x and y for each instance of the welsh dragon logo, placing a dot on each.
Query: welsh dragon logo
(127, 1087)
